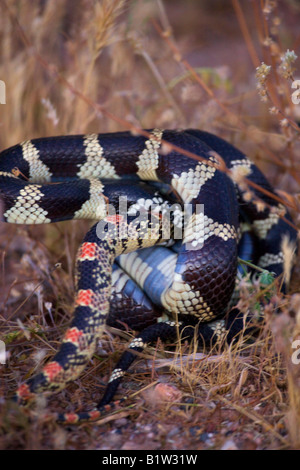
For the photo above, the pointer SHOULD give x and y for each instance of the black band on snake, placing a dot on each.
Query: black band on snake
(121, 273)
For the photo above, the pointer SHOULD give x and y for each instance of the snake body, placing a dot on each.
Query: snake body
(75, 177)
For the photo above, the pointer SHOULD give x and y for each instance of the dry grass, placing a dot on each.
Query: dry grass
(88, 66)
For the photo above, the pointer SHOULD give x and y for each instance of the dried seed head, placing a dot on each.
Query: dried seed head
(262, 73)
(286, 68)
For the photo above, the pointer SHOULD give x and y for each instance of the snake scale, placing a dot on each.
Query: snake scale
(122, 275)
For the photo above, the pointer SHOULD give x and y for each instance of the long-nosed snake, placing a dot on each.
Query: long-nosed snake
(75, 177)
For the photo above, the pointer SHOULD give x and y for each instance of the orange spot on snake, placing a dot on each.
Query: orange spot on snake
(24, 392)
(73, 335)
(52, 370)
(87, 251)
(115, 219)
(95, 414)
(84, 297)
(71, 417)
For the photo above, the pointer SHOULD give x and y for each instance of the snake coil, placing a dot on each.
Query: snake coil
(74, 177)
